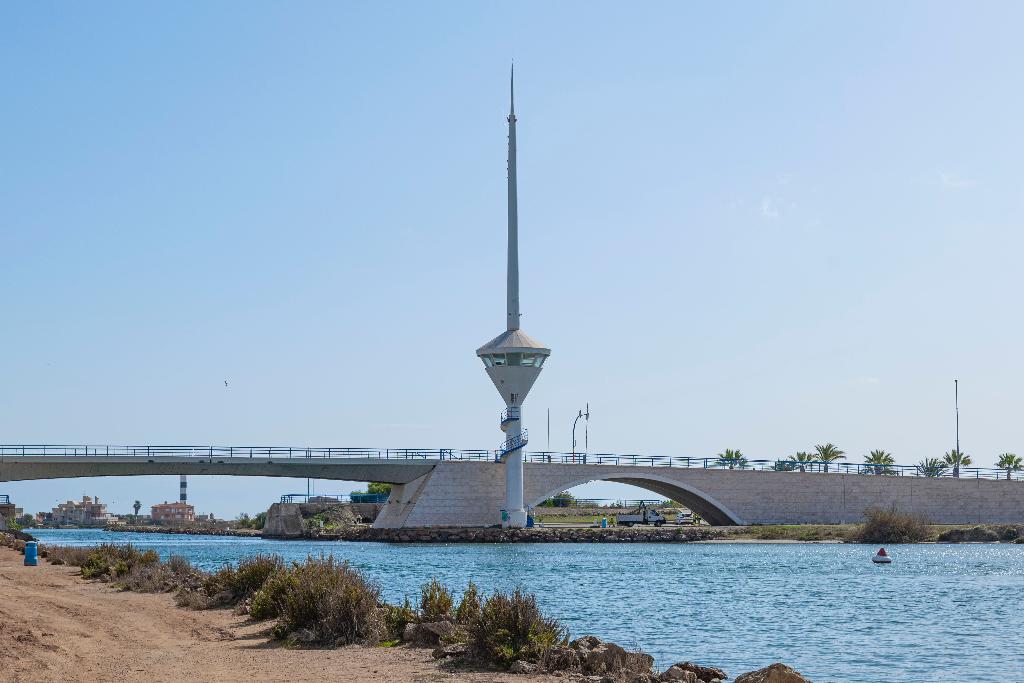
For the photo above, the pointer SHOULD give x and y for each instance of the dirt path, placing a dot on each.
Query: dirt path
(56, 626)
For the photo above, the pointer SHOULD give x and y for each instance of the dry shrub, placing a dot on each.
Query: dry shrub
(231, 585)
(327, 602)
(108, 561)
(891, 526)
(511, 627)
(73, 556)
(150, 575)
(180, 566)
(396, 618)
(469, 606)
(435, 602)
(265, 601)
(193, 599)
(148, 578)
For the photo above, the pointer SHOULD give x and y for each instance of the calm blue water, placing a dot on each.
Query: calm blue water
(938, 612)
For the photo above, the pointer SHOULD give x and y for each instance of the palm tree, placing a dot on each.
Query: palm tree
(931, 467)
(136, 506)
(1009, 462)
(731, 458)
(801, 459)
(880, 462)
(956, 459)
(829, 453)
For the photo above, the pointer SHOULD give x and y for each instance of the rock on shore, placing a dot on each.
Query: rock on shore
(776, 673)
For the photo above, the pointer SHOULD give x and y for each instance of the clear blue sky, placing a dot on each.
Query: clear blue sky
(748, 225)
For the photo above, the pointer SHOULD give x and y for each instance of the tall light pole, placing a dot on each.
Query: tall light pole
(956, 408)
(574, 435)
(586, 430)
(513, 359)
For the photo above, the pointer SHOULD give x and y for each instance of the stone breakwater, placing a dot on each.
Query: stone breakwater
(187, 531)
(535, 535)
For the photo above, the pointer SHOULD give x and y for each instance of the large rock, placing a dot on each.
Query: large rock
(521, 667)
(703, 674)
(674, 673)
(562, 659)
(776, 673)
(429, 634)
(453, 650)
(599, 657)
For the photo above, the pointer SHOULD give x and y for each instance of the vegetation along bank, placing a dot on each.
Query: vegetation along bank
(323, 603)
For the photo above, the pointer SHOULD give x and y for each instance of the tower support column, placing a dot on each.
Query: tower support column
(514, 479)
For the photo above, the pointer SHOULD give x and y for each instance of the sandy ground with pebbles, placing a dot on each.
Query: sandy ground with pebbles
(56, 626)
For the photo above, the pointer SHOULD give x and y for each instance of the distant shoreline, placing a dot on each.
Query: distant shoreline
(769, 535)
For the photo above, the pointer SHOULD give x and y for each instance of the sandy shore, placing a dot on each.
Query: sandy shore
(56, 626)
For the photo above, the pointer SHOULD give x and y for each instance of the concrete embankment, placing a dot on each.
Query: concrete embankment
(187, 531)
(535, 535)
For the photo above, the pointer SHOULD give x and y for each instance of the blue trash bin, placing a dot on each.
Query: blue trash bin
(31, 554)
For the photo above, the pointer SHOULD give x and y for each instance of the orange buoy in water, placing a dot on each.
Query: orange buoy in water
(881, 557)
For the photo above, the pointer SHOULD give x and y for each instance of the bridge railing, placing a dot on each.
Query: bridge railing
(376, 498)
(271, 453)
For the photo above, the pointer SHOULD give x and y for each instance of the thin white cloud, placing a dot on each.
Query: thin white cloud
(955, 181)
(768, 208)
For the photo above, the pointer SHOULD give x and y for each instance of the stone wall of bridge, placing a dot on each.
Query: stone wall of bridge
(472, 494)
(431, 493)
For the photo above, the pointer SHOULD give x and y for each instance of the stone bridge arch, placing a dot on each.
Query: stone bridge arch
(704, 504)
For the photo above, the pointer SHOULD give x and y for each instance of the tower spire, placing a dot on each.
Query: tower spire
(513, 214)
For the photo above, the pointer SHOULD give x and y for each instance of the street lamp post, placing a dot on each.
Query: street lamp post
(574, 439)
(956, 408)
(586, 430)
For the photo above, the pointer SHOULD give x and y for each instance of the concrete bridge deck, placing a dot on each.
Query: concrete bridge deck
(467, 488)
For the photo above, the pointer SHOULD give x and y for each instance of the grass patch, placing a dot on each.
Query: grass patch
(797, 532)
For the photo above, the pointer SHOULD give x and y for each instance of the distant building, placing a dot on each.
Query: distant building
(164, 513)
(7, 509)
(87, 512)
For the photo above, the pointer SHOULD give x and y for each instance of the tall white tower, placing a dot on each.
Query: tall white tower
(513, 359)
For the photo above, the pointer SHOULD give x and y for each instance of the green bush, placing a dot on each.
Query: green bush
(469, 606)
(328, 602)
(891, 526)
(396, 618)
(111, 561)
(435, 602)
(231, 585)
(511, 627)
(266, 601)
(253, 572)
